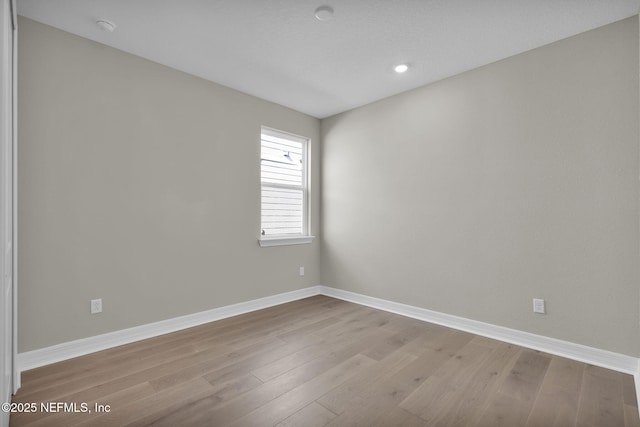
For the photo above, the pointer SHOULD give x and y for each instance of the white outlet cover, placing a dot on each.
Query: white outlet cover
(538, 306)
(302, 271)
(96, 306)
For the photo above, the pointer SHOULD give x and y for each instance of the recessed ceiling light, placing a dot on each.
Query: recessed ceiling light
(324, 13)
(401, 68)
(106, 25)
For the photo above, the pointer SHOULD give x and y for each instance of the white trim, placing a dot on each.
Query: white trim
(636, 380)
(68, 350)
(283, 134)
(283, 241)
(582, 353)
(14, 361)
(606, 359)
(305, 144)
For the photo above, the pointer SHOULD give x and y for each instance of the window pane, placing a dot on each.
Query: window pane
(283, 176)
(275, 173)
(281, 162)
(282, 211)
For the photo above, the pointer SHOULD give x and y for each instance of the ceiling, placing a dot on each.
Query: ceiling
(277, 50)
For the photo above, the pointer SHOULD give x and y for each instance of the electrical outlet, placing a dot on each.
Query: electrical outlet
(302, 271)
(538, 306)
(96, 306)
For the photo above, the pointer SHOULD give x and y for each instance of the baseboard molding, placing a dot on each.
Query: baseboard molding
(636, 380)
(594, 356)
(606, 359)
(45, 356)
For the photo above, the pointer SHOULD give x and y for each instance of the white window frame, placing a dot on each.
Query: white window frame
(305, 237)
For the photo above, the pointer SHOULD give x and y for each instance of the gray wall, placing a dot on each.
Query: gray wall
(516, 180)
(140, 185)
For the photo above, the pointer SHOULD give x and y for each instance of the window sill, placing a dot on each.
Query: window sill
(284, 241)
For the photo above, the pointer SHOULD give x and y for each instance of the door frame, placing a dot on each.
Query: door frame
(14, 191)
(9, 379)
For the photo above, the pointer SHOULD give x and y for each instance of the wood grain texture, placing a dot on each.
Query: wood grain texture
(321, 361)
(601, 399)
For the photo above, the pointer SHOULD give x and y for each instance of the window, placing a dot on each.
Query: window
(284, 189)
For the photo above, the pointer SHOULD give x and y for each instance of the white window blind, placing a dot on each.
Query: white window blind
(283, 173)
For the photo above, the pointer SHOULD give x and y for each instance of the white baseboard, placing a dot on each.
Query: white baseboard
(582, 353)
(45, 356)
(594, 356)
(636, 380)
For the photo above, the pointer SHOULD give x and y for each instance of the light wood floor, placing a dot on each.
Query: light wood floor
(321, 361)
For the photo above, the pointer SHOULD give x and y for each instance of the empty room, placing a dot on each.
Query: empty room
(310, 213)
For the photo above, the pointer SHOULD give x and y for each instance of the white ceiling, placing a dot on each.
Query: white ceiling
(278, 51)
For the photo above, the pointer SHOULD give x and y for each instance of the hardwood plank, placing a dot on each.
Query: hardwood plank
(526, 376)
(207, 413)
(84, 383)
(629, 391)
(400, 418)
(225, 390)
(432, 351)
(221, 392)
(312, 415)
(279, 408)
(321, 347)
(364, 318)
(467, 405)
(321, 361)
(375, 403)
(250, 356)
(114, 400)
(92, 371)
(513, 401)
(351, 392)
(290, 322)
(401, 323)
(504, 411)
(151, 374)
(447, 342)
(159, 401)
(337, 345)
(557, 401)
(234, 324)
(601, 400)
(436, 396)
(631, 418)
(388, 345)
(555, 407)
(309, 328)
(132, 364)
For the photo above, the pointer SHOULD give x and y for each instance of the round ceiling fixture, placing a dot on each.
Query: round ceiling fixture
(324, 13)
(106, 25)
(400, 68)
